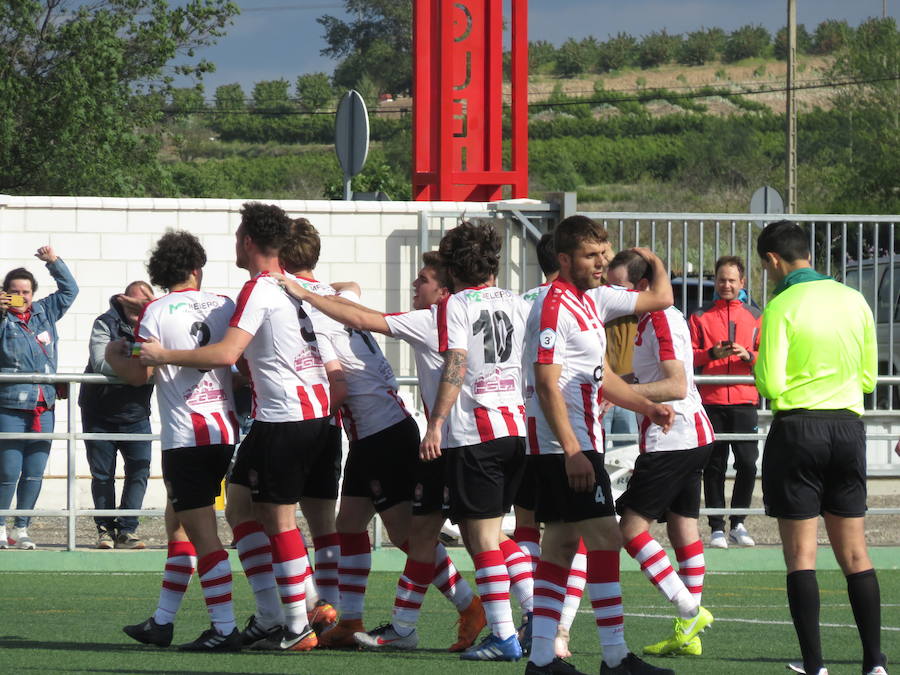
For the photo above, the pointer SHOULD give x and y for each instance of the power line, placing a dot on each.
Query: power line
(650, 95)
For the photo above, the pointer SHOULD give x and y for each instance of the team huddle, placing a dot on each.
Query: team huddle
(513, 388)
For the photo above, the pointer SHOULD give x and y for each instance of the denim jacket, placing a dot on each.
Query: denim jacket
(22, 352)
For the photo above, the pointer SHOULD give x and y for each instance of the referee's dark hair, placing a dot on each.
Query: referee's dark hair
(176, 255)
(786, 239)
(576, 230)
(636, 267)
(546, 255)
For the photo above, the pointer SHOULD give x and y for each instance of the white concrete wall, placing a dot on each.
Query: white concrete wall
(106, 242)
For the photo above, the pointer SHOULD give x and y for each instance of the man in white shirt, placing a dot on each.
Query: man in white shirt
(291, 405)
(199, 430)
(665, 486)
(565, 347)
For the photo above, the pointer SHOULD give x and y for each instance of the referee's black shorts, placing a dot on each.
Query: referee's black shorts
(815, 462)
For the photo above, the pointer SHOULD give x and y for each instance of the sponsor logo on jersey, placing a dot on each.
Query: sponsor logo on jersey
(309, 358)
(204, 392)
(195, 306)
(495, 382)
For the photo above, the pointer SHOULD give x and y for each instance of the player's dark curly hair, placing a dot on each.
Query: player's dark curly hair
(302, 247)
(266, 224)
(471, 253)
(432, 260)
(546, 255)
(575, 231)
(176, 255)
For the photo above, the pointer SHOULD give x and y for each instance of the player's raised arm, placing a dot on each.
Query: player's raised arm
(218, 355)
(659, 295)
(340, 309)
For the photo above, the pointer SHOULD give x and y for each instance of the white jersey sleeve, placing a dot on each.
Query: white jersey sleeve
(665, 336)
(196, 406)
(419, 329)
(613, 301)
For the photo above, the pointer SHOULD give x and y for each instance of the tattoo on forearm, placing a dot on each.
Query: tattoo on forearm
(454, 369)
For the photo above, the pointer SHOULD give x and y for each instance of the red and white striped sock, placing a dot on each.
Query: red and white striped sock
(605, 593)
(215, 578)
(521, 580)
(492, 581)
(328, 554)
(449, 581)
(529, 540)
(180, 565)
(656, 567)
(549, 595)
(353, 572)
(291, 567)
(692, 568)
(411, 589)
(574, 587)
(255, 552)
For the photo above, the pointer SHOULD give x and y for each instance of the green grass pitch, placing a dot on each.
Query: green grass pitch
(71, 623)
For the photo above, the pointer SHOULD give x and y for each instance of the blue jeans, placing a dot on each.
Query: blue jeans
(101, 456)
(620, 421)
(22, 462)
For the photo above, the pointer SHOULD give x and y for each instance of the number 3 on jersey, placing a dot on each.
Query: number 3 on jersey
(498, 333)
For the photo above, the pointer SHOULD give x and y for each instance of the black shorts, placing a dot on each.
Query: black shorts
(276, 458)
(483, 479)
(667, 481)
(526, 496)
(815, 462)
(193, 476)
(430, 493)
(558, 502)
(325, 475)
(381, 467)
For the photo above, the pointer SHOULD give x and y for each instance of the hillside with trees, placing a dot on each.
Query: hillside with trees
(689, 122)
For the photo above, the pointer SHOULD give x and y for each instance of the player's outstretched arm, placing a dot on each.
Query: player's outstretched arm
(342, 310)
(217, 355)
(672, 387)
(579, 470)
(616, 391)
(452, 378)
(131, 370)
(659, 296)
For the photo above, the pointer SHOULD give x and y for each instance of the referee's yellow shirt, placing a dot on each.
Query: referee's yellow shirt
(817, 347)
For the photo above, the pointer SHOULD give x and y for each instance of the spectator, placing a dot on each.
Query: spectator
(117, 409)
(28, 341)
(725, 337)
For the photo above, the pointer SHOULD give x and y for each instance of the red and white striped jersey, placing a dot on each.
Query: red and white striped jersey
(196, 407)
(372, 402)
(285, 358)
(419, 329)
(664, 336)
(565, 327)
(489, 323)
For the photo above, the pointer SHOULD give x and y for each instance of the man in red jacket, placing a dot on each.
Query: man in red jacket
(725, 337)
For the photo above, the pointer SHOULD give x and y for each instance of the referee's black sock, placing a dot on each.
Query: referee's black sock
(803, 599)
(865, 599)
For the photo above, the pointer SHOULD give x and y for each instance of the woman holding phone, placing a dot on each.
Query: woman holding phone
(28, 344)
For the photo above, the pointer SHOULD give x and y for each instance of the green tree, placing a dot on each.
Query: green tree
(804, 42)
(617, 52)
(872, 57)
(377, 43)
(701, 46)
(230, 97)
(540, 53)
(272, 96)
(830, 36)
(314, 91)
(658, 48)
(573, 59)
(76, 85)
(746, 42)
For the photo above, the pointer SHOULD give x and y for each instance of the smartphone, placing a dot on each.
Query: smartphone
(16, 300)
(732, 329)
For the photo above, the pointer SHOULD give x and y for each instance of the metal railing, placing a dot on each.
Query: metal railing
(72, 512)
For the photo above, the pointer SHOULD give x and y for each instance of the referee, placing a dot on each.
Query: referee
(817, 356)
